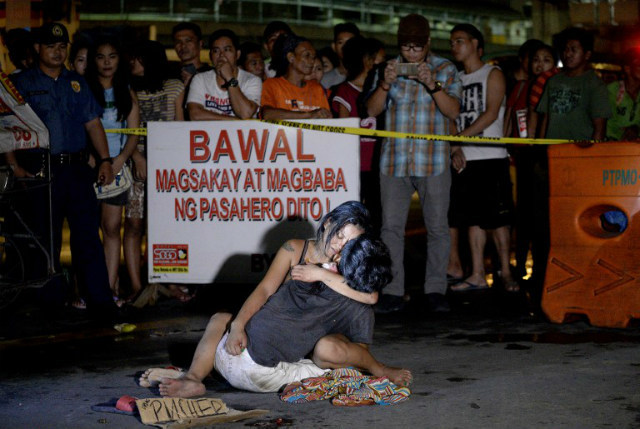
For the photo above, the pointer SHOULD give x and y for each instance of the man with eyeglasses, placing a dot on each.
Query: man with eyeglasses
(422, 97)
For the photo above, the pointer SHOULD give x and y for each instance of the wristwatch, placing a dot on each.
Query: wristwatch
(437, 88)
(231, 83)
(108, 159)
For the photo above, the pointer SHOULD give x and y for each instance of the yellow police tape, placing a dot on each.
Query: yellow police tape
(382, 133)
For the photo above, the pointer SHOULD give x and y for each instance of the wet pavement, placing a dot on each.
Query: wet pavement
(487, 364)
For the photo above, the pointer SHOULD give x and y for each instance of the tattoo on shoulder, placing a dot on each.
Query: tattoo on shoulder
(288, 247)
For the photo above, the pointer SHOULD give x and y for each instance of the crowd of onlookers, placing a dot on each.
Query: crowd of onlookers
(465, 190)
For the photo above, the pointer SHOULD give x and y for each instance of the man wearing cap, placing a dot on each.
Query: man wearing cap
(64, 102)
(425, 101)
(227, 91)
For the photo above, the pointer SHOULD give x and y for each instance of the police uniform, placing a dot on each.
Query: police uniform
(65, 105)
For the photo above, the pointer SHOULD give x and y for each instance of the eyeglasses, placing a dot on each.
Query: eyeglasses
(414, 48)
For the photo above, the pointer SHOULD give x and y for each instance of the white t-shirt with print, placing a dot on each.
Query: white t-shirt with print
(205, 91)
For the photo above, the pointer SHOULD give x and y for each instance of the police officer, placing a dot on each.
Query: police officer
(64, 102)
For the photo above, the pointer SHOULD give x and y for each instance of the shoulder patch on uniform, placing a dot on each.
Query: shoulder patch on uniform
(75, 85)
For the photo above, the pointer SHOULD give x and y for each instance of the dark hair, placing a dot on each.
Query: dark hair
(472, 31)
(121, 92)
(245, 49)
(153, 58)
(356, 50)
(529, 48)
(345, 27)
(224, 32)
(273, 27)
(20, 46)
(546, 47)
(330, 54)
(284, 44)
(187, 26)
(354, 54)
(348, 213)
(365, 264)
(583, 37)
(76, 47)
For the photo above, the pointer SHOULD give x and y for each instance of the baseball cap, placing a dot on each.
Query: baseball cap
(413, 28)
(53, 32)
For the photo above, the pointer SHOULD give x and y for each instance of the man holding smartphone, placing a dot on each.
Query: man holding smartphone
(187, 42)
(425, 101)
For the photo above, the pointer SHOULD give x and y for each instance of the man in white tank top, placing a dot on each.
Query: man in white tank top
(481, 187)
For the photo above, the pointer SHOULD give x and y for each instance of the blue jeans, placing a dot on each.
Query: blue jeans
(396, 195)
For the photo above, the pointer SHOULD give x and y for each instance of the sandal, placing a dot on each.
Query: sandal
(466, 286)
(79, 304)
(511, 285)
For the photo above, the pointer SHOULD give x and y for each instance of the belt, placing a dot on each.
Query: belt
(68, 158)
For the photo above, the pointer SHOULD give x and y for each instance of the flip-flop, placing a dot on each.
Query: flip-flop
(123, 405)
(511, 286)
(466, 286)
(451, 280)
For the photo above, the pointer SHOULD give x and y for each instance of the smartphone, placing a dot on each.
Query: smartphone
(190, 68)
(407, 69)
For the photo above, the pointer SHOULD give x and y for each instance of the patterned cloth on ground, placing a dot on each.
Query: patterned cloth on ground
(346, 387)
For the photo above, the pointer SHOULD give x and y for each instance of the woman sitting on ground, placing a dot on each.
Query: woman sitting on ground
(338, 227)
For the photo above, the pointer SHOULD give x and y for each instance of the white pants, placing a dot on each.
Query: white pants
(243, 373)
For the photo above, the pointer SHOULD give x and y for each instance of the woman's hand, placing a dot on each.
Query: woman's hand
(140, 169)
(236, 341)
(307, 273)
(118, 163)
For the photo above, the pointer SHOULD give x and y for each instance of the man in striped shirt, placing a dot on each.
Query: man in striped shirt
(422, 97)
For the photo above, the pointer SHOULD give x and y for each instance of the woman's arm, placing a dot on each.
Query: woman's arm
(179, 116)
(133, 121)
(335, 281)
(237, 339)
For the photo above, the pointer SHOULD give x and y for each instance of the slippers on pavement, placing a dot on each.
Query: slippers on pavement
(453, 280)
(466, 286)
(123, 405)
(511, 285)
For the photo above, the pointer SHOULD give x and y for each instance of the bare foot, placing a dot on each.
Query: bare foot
(181, 293)
(153, 376)
(398, 376)
(181, 388)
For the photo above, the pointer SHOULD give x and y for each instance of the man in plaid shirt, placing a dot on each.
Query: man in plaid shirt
(422, 100)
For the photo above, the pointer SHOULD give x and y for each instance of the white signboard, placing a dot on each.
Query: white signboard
(20, 127)
(224, 196)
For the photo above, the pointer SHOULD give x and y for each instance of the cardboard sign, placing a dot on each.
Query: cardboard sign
(224, 196)
(162, 410)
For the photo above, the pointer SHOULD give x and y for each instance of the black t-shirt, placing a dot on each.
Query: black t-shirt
(294, 318)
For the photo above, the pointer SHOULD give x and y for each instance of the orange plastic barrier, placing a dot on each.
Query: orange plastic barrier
(593, 269)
